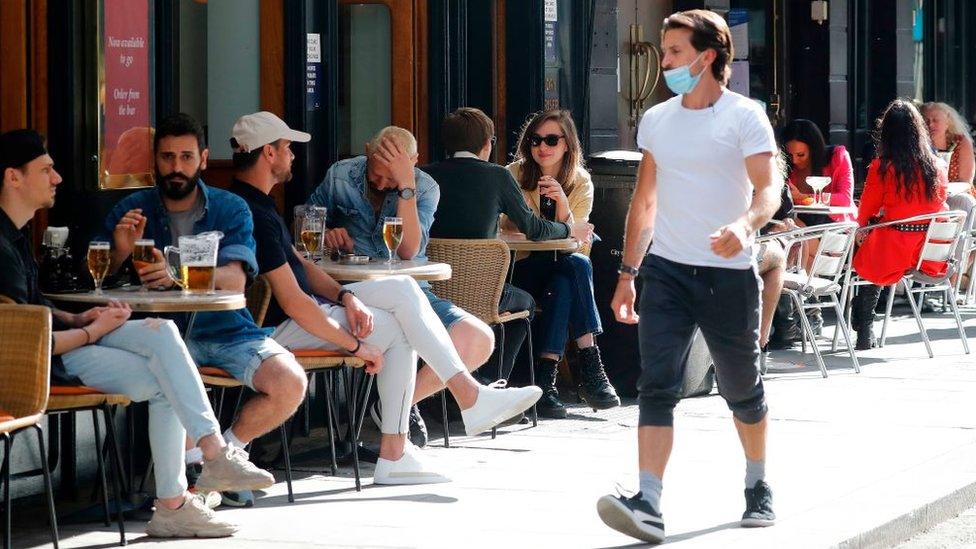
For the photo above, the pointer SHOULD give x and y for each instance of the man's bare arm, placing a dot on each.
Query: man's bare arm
(640, 216)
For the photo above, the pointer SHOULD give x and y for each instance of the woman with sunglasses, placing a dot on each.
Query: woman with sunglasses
(549, 167)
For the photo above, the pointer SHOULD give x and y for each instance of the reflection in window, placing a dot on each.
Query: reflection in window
(365, 87)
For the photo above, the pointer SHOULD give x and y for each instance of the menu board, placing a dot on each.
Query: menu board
(125, 156)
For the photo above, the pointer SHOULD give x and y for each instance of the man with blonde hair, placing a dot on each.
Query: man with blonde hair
(358, 194)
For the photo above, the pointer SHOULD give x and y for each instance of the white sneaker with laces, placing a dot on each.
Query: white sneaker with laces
(496, 403)
(411, 468)
(231, 471)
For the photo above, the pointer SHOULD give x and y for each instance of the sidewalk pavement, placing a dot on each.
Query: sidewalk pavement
(854, 461)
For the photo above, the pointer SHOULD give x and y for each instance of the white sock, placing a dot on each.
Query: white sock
(193, 455)
(232, 439)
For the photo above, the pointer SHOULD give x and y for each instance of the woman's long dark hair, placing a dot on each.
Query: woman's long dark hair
(572, 160)
(805, 131)
(904, 148)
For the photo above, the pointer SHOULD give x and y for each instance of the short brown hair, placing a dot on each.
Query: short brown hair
(708, 31)
(466, 129)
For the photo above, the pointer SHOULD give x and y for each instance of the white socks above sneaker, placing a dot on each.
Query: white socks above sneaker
(650, 487)
(755, 471)
(193, 455)
(232, 439)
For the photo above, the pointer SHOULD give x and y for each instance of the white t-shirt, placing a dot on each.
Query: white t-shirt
(702, 183)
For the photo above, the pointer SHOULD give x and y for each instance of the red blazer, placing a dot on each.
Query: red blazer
(887, 253)
(841, 188)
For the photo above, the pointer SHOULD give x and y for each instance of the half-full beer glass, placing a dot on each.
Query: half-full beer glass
(98, 261)
(197, 265)
(392, 235)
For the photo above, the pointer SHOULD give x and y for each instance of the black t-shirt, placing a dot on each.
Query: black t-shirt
(18, 281)
(274, 244)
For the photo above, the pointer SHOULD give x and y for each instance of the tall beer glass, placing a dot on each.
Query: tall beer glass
(392, 236)
(98, 262)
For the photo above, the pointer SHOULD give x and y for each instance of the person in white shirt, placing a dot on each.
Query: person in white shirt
(707, 182)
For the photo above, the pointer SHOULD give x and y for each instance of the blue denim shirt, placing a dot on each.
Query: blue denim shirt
(343, 193)
(222, 211)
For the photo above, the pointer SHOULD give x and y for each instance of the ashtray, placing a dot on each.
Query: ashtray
(353, 259)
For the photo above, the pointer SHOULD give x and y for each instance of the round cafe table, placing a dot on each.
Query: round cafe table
(169, 301)
(824, 210)
(517, 242)
(377, 268)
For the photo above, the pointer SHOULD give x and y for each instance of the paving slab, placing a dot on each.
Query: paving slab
(855, 460)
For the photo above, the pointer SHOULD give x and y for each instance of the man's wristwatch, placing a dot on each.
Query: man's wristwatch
(627, 269)
(342, 293)
(407, 193)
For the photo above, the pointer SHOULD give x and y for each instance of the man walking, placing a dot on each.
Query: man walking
(707, 183)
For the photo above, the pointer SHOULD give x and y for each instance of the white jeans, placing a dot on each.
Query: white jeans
(147, 360)
(403, 323)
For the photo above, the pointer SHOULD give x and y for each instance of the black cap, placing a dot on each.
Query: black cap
(18, 147)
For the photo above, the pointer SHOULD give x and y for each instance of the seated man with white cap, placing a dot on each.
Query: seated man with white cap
(386, 322)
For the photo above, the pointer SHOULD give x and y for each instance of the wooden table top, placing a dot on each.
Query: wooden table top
(377, 268)
(169, 301)
(518, 243)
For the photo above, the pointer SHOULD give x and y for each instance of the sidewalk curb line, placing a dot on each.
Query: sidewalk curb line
(914, 522)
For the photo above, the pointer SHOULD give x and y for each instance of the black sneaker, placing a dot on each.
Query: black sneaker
(418, 429)
(594, 386)
(632, 516)
(759, 506)
(244, 498)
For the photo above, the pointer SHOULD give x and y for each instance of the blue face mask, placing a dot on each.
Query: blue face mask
(680, 80)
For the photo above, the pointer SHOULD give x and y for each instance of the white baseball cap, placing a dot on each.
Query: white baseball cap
(256, 130)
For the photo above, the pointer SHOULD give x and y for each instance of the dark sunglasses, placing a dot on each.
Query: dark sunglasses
(551, 140)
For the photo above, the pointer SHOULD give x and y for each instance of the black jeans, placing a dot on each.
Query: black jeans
(724, 304)
(513, 300)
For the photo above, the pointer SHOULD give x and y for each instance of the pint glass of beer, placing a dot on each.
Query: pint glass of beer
(143, 255)
(197, 265)
(311, 234)
(98, 262)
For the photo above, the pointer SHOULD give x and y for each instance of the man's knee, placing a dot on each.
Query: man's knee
(281, 378)
(473, 340)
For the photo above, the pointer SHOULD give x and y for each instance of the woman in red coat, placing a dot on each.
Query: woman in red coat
(905, 180)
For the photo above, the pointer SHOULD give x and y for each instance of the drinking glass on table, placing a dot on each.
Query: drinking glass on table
(825, 198)
(818, 184)
(311, 234)
(392, 235)
(196, 269)
(98, 262)
(144, 255)
(296, 224)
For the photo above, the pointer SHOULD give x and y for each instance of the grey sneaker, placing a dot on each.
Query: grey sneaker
(193, 520)
(231, 470)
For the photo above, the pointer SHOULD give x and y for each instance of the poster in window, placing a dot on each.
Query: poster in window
(125, 136)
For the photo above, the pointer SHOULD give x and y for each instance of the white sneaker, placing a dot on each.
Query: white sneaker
(231, 471)
(193, 520)
(411, 468)
(495, 404)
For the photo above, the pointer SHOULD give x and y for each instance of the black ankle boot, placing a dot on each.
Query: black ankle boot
(549, 404)
(594, 386)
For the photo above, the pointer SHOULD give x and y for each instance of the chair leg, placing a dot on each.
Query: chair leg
(103, 480)
(918, 317)
(955, 312)
(887, 316)
(116, 469)
(351, 431)
(48, 487)
(284, 453)
(330, 418)
(846, 331)
(501, 353)
(5, 483)
(808, 330)
(528, 340)
(444, 419)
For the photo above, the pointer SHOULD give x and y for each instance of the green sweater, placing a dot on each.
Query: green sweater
(474, 192)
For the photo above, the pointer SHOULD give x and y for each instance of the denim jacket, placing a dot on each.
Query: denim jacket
(222, 211)
(343, 193)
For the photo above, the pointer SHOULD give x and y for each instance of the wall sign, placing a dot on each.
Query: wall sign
(125, 157)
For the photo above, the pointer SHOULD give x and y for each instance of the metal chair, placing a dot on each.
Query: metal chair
(824, 281)
(25, 367)
(967, 249)
(941, 239)
(479, 268)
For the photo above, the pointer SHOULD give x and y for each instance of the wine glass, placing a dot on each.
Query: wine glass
(98, 261)
(818, 184)
(392, 235)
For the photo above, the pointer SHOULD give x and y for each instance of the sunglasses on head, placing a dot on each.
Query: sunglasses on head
(551, 140)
